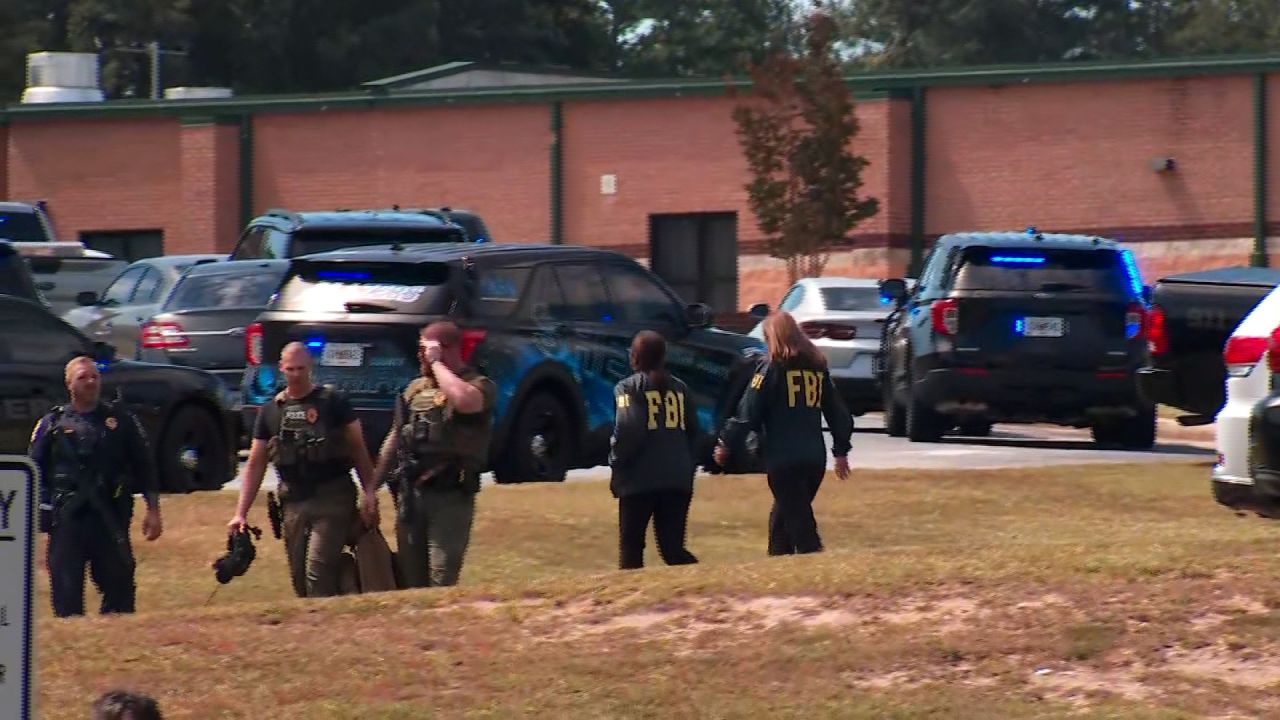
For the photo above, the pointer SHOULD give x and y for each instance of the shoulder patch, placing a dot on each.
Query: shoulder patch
(111, 422)
(757, 381)
(624, 400)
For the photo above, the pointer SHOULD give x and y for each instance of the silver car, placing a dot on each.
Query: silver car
(116, 316)
(844, 317)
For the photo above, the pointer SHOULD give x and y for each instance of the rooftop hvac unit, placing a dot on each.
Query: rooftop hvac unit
(56, 77)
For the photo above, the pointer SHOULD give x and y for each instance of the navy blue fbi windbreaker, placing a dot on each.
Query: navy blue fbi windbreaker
(655, 431)
(785, 405)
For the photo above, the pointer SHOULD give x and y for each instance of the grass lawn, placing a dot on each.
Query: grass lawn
(1095, 592)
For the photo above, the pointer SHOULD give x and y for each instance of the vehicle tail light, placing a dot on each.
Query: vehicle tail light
(946, 316)
(818, 329)
(1242, 353)
(162, 335)
(471, 338)
(1273, 351)
(253, 344)
(1135, 321)
(1157, 332)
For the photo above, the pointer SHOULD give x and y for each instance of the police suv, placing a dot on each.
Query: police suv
(550, 324)
(1019, 327)
(183, 410)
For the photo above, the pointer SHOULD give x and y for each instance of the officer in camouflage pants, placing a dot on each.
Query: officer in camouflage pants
(438, 444)
(312, 435)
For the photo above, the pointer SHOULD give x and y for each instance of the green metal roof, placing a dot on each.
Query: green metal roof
(866, 85)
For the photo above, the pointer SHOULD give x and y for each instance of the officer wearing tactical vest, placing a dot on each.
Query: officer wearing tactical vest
(786, 401)
(313, 437)
(92, 457)
(438, 445)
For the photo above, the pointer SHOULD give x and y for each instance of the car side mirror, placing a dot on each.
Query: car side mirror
(698, 315)
(759, 310)
(893, 290)
(87, 298)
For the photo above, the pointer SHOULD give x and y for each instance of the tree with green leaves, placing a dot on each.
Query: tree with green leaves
(795, 128)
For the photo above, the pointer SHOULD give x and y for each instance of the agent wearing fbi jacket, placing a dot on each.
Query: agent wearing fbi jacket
(652, 456)
(92, 457)
(438, 445)
(785, 402)
(312, 435)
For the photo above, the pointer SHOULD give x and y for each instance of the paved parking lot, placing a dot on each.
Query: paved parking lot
(1008, 446)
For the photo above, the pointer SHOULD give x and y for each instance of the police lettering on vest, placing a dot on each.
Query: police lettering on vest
(305, 435)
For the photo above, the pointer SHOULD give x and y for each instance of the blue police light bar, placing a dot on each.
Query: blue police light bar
(341, 275)
(1017, 260)
(1019, 326)
(1131, 267)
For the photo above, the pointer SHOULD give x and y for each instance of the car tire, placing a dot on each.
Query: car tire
(1135, 433)
(895, 415)
(543, 422)
(975, 428)
(924, 424)
(192, 452)
(1139, 431)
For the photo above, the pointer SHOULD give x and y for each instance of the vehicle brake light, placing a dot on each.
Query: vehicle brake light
(471, 338)
(1242, 353)
(162, 335)
(817, 330)
(1273, 351)
(946, 316)
(253, 344)
(1157, 331)
(1135, 321)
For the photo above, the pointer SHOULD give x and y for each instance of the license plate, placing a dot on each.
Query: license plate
(1044, 327)
(342, 355)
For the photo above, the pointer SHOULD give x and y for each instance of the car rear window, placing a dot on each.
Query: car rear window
(1101, 270)
(851, 299)
(14, 277)
(222, 290)
(365, 287)
(21, 227)
(309, 242)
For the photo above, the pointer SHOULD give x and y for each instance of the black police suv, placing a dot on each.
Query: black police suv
(281, 234)
(1019, 327)
(15, 275)
(550, 324)
(183, 410)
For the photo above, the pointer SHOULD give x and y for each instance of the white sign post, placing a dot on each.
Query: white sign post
(18, 500)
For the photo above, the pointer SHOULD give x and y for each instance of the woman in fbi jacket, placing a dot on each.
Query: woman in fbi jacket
(652, 456)
(785, 403)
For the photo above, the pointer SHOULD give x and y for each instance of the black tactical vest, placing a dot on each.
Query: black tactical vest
(87, 451)
(306, 438)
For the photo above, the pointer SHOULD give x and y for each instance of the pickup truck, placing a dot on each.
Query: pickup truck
(1192, 316)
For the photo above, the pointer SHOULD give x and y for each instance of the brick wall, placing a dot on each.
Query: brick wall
(1076, 157)
(1061, 156)
(4, 161)
(210, 162)
(100, 174)
(490, 159)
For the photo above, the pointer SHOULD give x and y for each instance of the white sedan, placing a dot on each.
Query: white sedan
(844, 317)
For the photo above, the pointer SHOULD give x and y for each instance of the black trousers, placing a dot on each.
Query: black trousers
(670, 512)
(792, 527)
(84, 539)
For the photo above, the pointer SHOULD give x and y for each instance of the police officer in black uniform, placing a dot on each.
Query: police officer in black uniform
(789, 395)
(652, 455)
(92, 456)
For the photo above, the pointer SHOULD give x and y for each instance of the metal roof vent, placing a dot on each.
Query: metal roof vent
(197, 93)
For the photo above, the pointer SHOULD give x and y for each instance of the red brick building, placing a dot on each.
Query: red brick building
(1171, 156)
